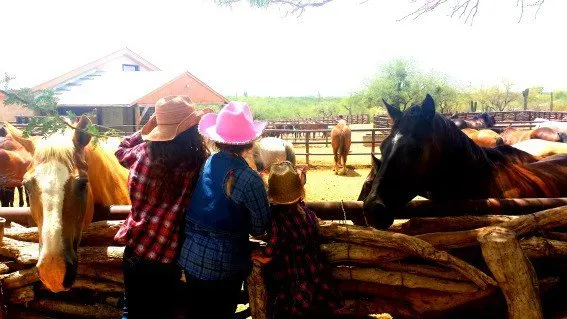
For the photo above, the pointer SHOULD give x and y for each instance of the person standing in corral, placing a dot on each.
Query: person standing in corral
(164, 159)
(301, 276)
(229, 203)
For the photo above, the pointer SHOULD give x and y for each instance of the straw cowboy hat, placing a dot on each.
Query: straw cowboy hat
(233, 125)
(173, 115)
(285, 184)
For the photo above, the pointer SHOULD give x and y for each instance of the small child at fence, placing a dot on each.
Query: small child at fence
(299, 277)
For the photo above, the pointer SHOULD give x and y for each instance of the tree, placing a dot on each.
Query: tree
(463, 9)
(401, 84)
(44, 104)
(496, 98)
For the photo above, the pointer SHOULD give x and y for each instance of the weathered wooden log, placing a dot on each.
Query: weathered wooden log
(424, 225)
(24, 252)
(513, 271)
(99, 233)
(4, 268)
(402, 279)
(111, 255)
(20, 278)
(354, 254)
(547, 219)
(422, 301)
(340, 252)
(257, 294)
(18, 313)
(28, 253)
(555, 235)
(23, 295)
(113, 274)
(359, 308)
(408, 244)
(537, 247)
(430, 208)
(75, 309)
(98, 285)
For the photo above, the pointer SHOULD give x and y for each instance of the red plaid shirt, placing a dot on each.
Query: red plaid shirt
(152, 227)
(301, 281)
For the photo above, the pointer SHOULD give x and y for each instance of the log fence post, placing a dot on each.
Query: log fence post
(513, 272)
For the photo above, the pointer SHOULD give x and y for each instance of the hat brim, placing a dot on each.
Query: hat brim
(167, 132)
(208, 128)
(280, 202)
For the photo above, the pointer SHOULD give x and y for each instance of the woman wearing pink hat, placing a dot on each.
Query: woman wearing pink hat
(229, 203)
(164, 159)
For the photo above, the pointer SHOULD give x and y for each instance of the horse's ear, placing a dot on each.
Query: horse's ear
(376, 163)
(393, 111)
(82, 138)
(428, 108)
(18, 135)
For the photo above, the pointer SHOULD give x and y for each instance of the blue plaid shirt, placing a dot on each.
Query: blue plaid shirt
(217, 226)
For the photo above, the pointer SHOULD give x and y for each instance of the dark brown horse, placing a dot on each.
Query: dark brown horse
(426, 154)
(483, 120)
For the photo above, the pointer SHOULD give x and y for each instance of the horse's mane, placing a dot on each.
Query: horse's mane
(107, 178)
(56, 147)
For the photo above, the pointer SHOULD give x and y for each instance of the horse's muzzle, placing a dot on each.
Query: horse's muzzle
(378, 215)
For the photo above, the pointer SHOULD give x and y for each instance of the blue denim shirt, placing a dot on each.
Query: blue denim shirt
(217, 226)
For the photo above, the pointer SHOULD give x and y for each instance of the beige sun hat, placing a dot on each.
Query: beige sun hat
(173, 116)
(285, 184)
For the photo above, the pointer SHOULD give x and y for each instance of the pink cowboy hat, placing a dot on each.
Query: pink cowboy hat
(233, 125)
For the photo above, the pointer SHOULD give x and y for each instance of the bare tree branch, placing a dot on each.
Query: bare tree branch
(465, 9)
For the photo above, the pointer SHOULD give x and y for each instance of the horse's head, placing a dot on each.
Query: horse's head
(365, 191)
(408, 156)
(488, 119)
(60, 201)
(460, 123)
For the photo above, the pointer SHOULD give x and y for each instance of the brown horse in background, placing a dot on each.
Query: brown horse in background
(512, 136)
(340, 141)
(68, 177)
(14, 161)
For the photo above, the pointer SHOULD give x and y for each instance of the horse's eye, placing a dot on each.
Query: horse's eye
(82, 183)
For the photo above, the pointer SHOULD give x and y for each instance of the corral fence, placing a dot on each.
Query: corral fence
(516, 119)
(350, 119)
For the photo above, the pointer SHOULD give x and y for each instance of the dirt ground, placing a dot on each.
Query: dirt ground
(323, 185)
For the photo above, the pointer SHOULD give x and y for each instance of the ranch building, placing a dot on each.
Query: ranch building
(121, 88)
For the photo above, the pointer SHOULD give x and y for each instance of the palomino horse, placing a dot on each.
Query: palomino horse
(426, 153)
(541, 148)
(483, 120)
(340, 141)
(512, 136)
(483, 137)
(67, 178)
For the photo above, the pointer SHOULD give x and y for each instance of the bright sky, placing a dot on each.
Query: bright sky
(332, 49)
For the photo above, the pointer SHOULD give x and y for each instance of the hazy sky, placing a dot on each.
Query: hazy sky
(333, 49)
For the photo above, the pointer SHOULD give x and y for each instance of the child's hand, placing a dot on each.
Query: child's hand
(258, 256)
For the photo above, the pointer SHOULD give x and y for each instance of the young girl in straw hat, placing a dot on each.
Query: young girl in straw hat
(301, 281)
(229, 203)
(164, 159)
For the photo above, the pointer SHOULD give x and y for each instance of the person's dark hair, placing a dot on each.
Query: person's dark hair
(173, 160)
(234, 149)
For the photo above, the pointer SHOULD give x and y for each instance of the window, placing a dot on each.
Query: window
(130, 67)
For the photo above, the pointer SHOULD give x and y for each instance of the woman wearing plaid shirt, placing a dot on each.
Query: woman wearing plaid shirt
(229, 203)
(164, 159)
